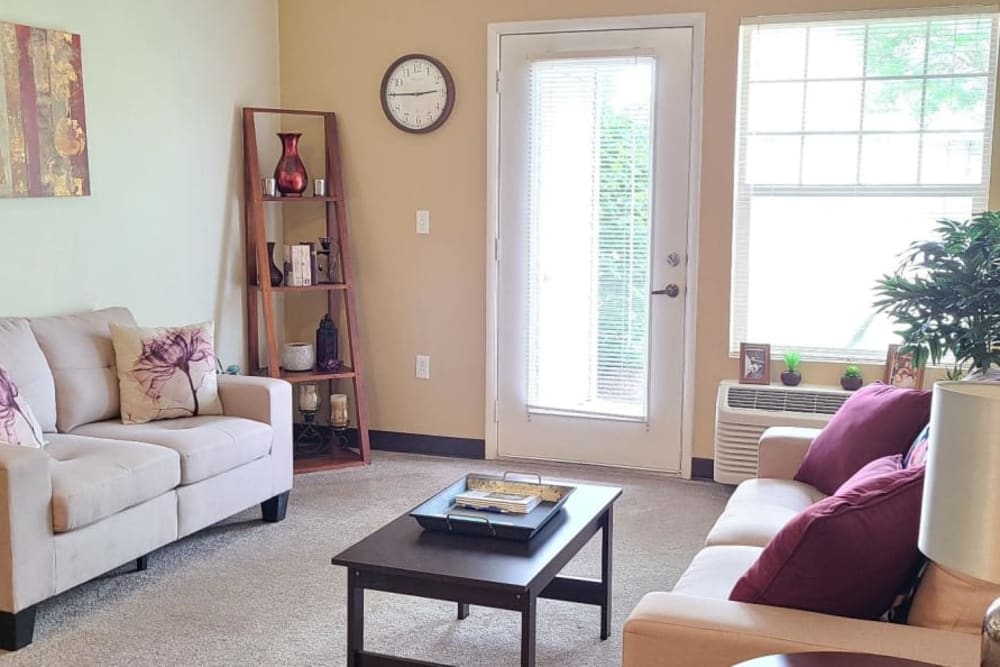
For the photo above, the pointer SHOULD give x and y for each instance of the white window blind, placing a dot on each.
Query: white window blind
(855, 135)
(589, 235)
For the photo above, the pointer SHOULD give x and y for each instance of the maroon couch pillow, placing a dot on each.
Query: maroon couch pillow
(879, 420)
(850, 554)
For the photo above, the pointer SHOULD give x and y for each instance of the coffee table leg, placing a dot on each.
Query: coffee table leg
(528, 633)
(355, 618)
(606, 535)
(463, 611)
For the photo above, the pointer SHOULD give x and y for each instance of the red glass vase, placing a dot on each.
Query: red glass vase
(290, 172)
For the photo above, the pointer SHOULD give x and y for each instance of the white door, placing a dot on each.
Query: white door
(594, 170)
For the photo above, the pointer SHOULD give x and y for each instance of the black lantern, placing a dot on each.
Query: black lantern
(327, 352)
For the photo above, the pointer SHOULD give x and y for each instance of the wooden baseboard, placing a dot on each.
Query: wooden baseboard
(461, 448)
(414, 443)
(702, 468)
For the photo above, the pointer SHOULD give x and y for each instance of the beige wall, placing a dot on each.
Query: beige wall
(427, 294)
(164, 80)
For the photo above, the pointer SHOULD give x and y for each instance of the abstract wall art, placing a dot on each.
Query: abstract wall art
(43, 126)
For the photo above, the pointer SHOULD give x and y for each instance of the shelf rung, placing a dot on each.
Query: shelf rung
(290, 112)
(283, 200)
(322, 287)
(297, 377)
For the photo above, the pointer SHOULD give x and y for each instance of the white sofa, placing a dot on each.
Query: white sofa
(101, 493)
(696, 624)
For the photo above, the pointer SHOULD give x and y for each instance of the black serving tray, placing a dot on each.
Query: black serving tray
(439, 512)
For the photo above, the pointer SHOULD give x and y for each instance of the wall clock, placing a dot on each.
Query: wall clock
(418, 93)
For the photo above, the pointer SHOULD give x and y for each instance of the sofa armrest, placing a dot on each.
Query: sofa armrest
(674, 629)
(782, 449)
(265, 400)
(27, 549)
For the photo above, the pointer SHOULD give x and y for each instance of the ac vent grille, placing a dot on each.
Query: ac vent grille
(785, 400)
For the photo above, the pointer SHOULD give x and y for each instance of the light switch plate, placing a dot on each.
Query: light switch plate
(423, 367)
(423, 222)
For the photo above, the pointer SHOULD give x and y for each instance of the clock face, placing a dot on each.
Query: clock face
(417, 93)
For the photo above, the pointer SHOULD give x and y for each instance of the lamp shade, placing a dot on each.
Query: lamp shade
(960, 521)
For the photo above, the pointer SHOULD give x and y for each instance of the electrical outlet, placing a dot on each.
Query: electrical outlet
(423, 367)
(423, 222)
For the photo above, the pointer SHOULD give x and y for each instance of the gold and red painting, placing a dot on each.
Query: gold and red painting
(43, 127)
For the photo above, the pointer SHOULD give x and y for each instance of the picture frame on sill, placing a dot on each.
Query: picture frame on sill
(755, 363)
(900, 371)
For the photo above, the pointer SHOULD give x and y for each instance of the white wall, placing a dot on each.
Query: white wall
(164, 81)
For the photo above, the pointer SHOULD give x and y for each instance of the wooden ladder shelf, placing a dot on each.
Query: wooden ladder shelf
(260, 293)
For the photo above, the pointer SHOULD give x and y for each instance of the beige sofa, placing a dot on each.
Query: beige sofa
(696, 624)
(100, 493)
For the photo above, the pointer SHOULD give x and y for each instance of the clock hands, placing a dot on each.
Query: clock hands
(416, 94)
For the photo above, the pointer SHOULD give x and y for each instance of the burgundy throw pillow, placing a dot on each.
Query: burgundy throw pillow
(850, 554)
(879, 420)
(871, 470)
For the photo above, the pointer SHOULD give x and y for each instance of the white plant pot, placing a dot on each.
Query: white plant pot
(298, 357)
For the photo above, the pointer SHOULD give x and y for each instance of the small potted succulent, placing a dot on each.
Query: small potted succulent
(851, 380)
(791, 376)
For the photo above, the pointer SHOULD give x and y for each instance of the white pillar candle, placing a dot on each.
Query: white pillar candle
(308, 398)
(338, 410)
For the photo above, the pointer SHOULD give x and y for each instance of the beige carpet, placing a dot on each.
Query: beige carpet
(248, 593)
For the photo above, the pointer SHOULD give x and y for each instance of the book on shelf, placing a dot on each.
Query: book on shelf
(497, 501)
(298, 265)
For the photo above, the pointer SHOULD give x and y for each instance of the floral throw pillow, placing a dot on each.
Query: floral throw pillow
(18, 425)
(166, 373)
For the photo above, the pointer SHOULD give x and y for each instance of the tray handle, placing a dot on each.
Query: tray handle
(466, 517)
(522, 474)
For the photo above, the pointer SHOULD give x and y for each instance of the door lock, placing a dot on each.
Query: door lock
(670, 290)
(673, 259)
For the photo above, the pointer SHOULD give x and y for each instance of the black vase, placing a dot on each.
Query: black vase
(277, 275)
(327, 351)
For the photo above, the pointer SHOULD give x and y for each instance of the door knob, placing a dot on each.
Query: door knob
(670, 290)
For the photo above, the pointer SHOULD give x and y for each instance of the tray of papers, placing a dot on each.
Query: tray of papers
(502, 520)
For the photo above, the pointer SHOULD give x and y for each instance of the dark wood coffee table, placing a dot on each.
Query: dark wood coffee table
(403, 558)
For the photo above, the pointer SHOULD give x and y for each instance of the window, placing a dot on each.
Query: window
(589, 235)
(855, 135)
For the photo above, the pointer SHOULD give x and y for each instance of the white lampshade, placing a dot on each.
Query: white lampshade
(960, 521)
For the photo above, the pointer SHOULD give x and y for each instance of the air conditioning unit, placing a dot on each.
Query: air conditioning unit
(743, 412)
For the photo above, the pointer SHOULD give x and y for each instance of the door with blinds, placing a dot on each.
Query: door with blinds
(595, 137)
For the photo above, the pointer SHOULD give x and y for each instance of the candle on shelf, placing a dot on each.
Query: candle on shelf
(308, 398)
(338, 410)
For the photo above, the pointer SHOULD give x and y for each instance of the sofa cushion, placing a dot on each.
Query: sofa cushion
(715, 570)
(949, 600)
(24, 360)
(849, 554)
(758, 509)
(208, 446)
(93, 479)
(879, 420)
(18, 425)
(78, 349)
(166, 373)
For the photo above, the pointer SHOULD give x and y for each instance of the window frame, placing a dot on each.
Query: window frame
(744, 192)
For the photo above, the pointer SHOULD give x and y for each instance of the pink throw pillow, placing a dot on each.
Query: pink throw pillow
(879, 420)
(18, 425)
(850, 554)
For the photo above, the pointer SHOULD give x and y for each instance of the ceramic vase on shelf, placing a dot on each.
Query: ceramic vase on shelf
(277, 275)
(298, 357)
(290, 172)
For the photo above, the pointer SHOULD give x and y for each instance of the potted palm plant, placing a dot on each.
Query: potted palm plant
(945, 296)
(791, 377)
(851, 380)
